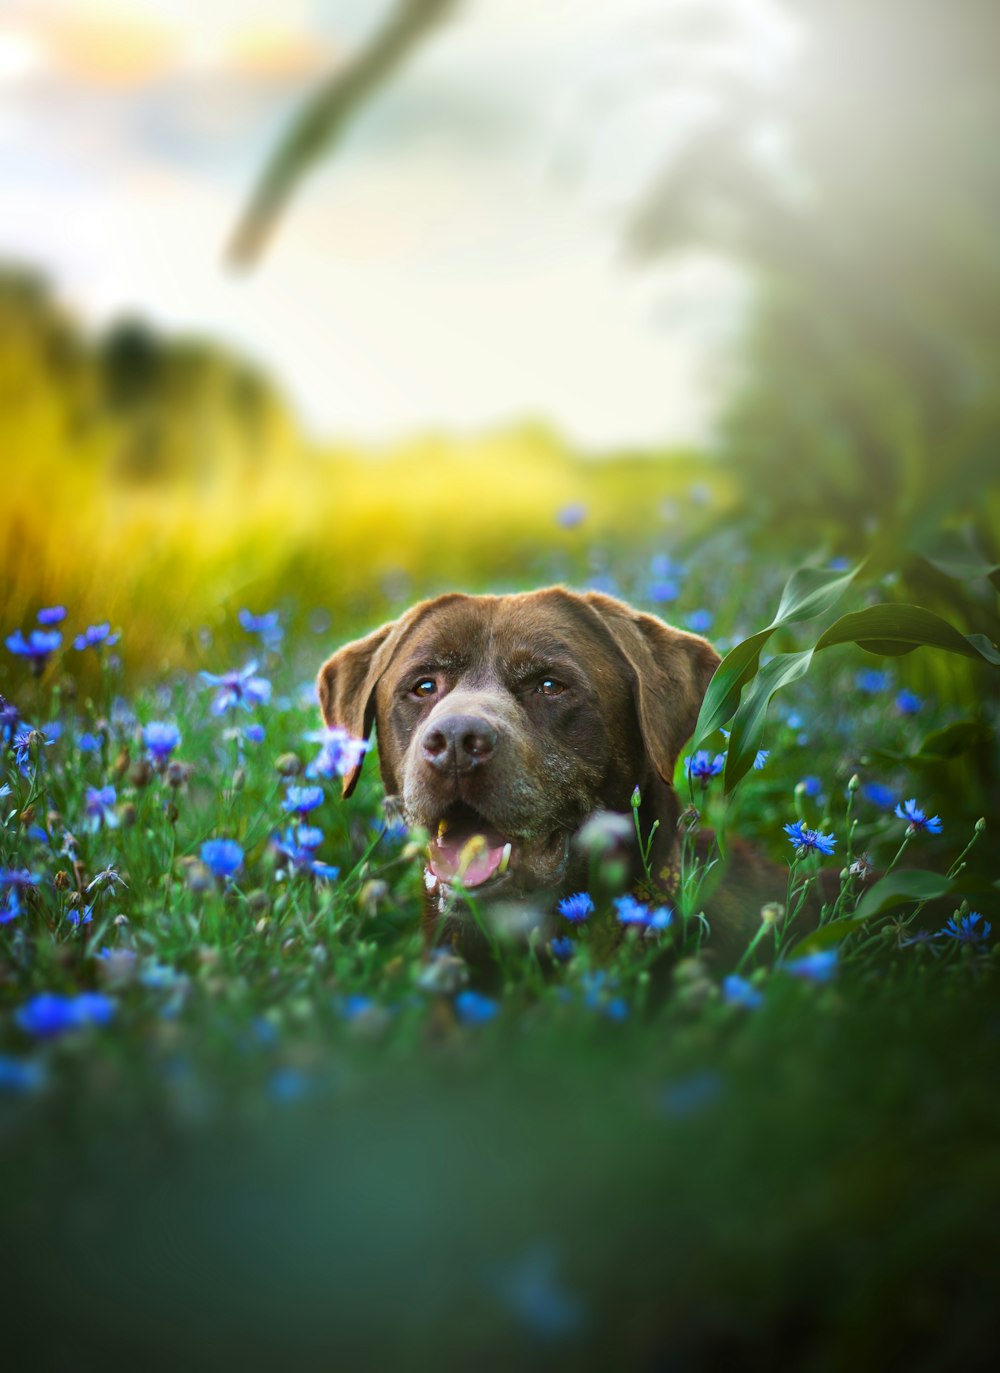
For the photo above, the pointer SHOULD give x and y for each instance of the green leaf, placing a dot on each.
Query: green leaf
(907, 884)
(954, 740)
(748, 727)
(908, 625)
(954, 553)
(810, 591)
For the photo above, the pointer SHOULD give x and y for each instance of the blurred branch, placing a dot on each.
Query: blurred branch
(324, 118)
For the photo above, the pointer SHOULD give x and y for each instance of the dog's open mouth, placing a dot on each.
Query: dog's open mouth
(468, 849)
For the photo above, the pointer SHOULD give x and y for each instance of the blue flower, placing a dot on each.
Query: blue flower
(739, 992)
(562, 947)
(355, 1005)
(52, 615)
(297, 847)
(907, 703)
(38, 647)
(223, 857)
(84, 917)
(811, 786)
(633, 912)
(813, 967)
(542, 1304)
(872, 680)
(700, 621)
(161, 738)
(254, 734)
(9, 718)
(576, 907)
(301, 800)
(569, 516)
(616, 1009)
(18, 877)
(661, 590)
(702, 766)
(88, 743)
(967, 929)
(49, 1013)
(472, 1008)
(238, 688)
(761, 758)
(10, 906)
(339, 754)
(878, 795)
(917, 818)
(265, 625)
(20, 1075)
(96, 636)
(804, 839)
(98, 809)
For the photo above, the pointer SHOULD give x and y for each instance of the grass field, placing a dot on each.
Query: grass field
(243, 1117)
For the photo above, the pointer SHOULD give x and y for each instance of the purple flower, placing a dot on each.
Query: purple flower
(739, 992)
(99, 809)
(916, 817)
(96, 636)
(160, 738)
(52, 615)
(301, 800)
(473, 1008)
(813, 967)
(339, 754)
(576, 907)
(633, 912)
(265, 625)
(701, 766)
(223, 857)
(238, 688)
(967, 929)
(805, 839)
(38, 647)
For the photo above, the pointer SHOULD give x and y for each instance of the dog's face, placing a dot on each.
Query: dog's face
(504, 722)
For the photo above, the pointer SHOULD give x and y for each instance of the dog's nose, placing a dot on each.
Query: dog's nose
(459, 743)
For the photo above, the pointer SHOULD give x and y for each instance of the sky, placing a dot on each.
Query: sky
(460, 264)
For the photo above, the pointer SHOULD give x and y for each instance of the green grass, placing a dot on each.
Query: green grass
(619, 1169)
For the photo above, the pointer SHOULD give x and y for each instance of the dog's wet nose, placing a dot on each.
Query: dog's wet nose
(459, 743)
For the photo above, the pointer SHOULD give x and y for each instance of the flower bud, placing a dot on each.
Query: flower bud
(772, 913)
(854, 783)
(288, 764)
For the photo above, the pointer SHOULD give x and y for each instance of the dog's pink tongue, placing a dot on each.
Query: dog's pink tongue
(469, 856)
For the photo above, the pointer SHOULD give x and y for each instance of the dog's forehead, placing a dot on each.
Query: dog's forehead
(504, 633)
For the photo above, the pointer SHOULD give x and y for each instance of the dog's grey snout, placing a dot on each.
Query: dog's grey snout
(458, 743)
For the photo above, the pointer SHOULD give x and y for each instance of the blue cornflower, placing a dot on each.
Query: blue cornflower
(814, 967)
(700, 621)
(473, 1008)
(161, 738)
(38, 647)
(967, 929)
(242, 687)
(760, 758)
(18, 878)
(223, 857)
(805, 839)
(739, 992)
(20, 1075)
(562, 947)
(615, 1009)
(88, 743)
(872, 680)
(49, 1013)
(916, 817)
(339, 754)
(576, 907)
(633, 912)
(878, 795)
(267, 626)
(660, 590)
(99, 809)
(84, 917)
(254, 734)
(301, 800)
(908, 703)
(10, 717)
(298, 845)
(52, 615)
(10, 906)
(569, 516)
(811, 786)
(96, 636)
(702, 766)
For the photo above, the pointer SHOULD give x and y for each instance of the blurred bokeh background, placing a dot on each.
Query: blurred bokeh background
(353, 296)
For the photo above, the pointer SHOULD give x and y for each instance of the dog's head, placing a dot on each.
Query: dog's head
(504, 722)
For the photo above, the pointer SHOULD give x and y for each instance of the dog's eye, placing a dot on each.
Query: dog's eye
(427, 686)
(550, 686)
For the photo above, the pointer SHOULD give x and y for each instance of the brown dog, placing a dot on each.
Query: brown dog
(504, 723)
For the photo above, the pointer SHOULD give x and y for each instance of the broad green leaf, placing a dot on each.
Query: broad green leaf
(898, 888)
(909, 625)
(952, 741)
(748, 726)
(954, 553)
(810, 591)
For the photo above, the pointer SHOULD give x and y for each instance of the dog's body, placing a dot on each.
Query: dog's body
(505, 723)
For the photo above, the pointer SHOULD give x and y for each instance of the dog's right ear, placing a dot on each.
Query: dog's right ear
(346, 687)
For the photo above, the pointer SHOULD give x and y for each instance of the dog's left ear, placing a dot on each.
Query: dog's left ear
(346, 686)
(671, 672)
